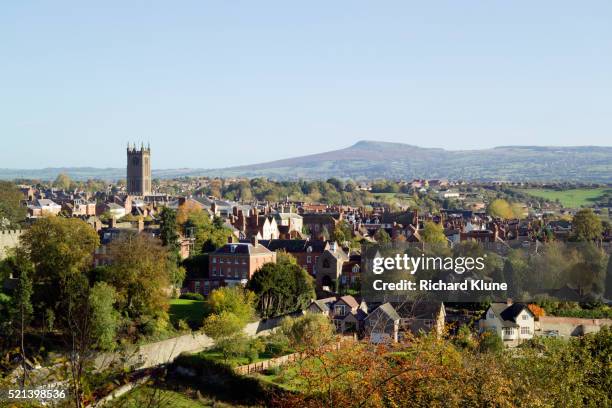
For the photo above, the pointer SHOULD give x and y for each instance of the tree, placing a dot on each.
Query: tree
(226, 330)
(209, 235)
(491, 342)
(586, 226)
(281, 288)
(382, 237)
(433, 233)
(22, 309)
(309, 332)
(139, 274)
(168, 228)
(500, 208)
(105, 318)
(235, 300)
(91, 324)
(342, 232)
(60, 249)
(62, 181)
(11, 210)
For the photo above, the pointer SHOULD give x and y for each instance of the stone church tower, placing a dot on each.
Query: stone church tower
(138, 170)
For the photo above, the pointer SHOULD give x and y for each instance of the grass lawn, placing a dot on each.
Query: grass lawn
(573, 198)
(191, 311)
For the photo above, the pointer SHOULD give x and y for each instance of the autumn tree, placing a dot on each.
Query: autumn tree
(586, 226)
(500, 208)
(139, 274)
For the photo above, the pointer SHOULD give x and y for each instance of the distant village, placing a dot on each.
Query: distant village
(324, 238)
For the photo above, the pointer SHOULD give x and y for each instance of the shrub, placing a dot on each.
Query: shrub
(191, 296)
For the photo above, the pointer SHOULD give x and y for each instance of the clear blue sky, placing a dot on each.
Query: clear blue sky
(214, 84)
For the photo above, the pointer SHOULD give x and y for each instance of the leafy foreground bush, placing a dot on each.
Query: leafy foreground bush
(436, 373)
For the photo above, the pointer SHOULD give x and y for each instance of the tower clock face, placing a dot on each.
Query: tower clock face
(135, 161)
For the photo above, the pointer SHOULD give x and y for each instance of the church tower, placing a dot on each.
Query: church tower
(138, 170)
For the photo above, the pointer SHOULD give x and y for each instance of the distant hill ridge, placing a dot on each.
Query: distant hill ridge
(368, 159)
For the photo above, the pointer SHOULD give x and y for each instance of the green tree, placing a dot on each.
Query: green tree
(586, 226)
(11, 210)
(62, 181)
(281, 288)
(104, 317)
(342, 232)
(168, 228)
(23, 310)
(309, 332)
(433, 233)
(226, 330)
(139, 274)
(60, 249)
(382, 237)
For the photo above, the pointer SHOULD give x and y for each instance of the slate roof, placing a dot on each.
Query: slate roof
(242, 248)
(386, 309)
(507, 314)
(419, 310)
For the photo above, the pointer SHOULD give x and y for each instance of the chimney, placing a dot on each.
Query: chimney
(230, 239)
(113, 222)
(140, 224)
(509, 302)
(254, 240)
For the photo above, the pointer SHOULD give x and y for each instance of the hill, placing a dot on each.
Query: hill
(369, 159)
(372, 160)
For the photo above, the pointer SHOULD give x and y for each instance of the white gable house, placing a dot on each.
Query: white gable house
(512, 322)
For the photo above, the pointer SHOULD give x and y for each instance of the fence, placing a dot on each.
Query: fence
(289, 358)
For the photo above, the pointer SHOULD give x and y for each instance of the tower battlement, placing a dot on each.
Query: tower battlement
(138, 169)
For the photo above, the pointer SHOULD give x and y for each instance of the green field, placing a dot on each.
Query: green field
(573, 198)
(192, 311)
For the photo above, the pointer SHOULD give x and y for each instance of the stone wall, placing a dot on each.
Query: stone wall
(8, 239)
(165, 351)
(571, 326)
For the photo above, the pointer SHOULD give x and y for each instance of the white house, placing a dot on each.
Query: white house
(513, 322)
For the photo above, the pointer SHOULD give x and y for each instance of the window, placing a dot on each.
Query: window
(229, 271)
(244, 275)
(491, 315)
(220, 272)
(339, 310)
(236, 261)
(525, 317)
(308, 259)
(326, 263)
(508, 331)
(197, 286)
(214, 271)
(428, 323)
(525, 330)
(214, 260)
